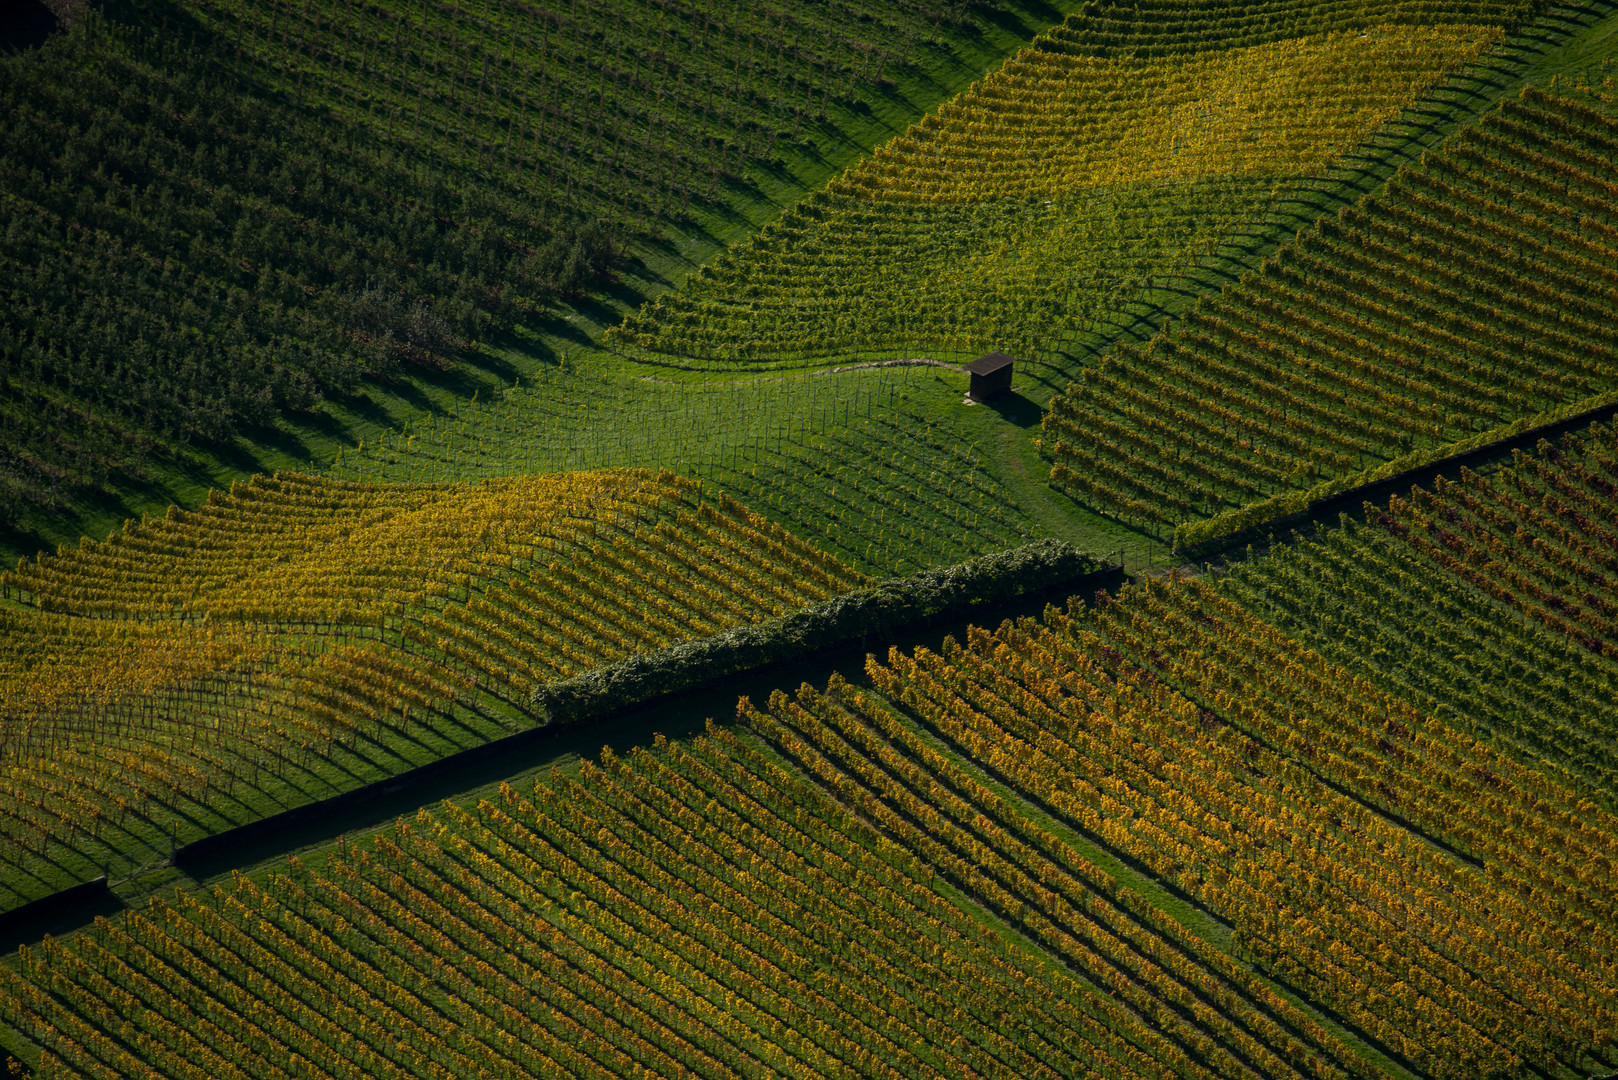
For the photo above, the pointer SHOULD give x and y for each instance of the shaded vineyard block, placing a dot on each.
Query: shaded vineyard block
(1471, 300)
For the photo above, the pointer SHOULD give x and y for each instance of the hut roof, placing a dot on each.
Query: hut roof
(989, 363)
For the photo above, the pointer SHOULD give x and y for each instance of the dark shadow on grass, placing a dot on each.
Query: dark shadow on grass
(472, 373)
(247, 452)
(1055, 376)
(362, 405)
(624, 292)
(323, 424)
(806, 146)
(899, 101)
(56, 918)
(194, 469)
(1149, 539)
(775, 169)
(719, 209)
(599, 311)
(413, 395)
(635, 269)
(528, 344)
(1302, 197)
(17, 537)
(566, 330)
(457, 381)
(1016, 409)
(1026, 21)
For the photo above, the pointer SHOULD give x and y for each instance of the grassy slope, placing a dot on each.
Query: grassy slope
(1013, 217)
(288, 721)
(343, 424)
(850, 133)
(1565, 41)
(566, 752)
(1563, 44)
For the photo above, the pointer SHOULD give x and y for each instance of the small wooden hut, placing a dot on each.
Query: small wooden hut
(991, 376)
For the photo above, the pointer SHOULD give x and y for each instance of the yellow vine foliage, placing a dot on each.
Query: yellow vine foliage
(530, 578)
(1047, 123)
(1028, 208)
(302, 548)
(299, 621)
(49, 661)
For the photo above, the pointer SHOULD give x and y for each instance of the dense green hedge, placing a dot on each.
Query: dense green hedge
(881, 609)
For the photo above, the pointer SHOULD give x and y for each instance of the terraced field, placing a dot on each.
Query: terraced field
(707, 914)
(300, 224)
(1487, 599)
(794, 445)
(1358, 848)
(783, 895)
(854, 461)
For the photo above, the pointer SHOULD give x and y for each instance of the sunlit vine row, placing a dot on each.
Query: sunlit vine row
(302, 636)
(1204, 764)
(1031, 206)
(854, 461)
(1197, 1005)
(1157, 28)
(629, 590)
(683, 912)
(296, 548)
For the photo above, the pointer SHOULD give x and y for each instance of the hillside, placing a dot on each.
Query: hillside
(1233, 697)
(1019, 214)
(1474, 297)
(786, 430)
(239, 236)
(783, 896)
(301, 637)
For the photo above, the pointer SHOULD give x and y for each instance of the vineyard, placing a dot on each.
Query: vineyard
(1475, 297)
(707, 913)
(1030, 207)
(719, 908)
(1450, 903)
(302, 636)
(505, 381)
(278, 212)
(1487, 599)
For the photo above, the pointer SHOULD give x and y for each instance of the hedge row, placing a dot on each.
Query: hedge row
(881, 609)
(1279, 509)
